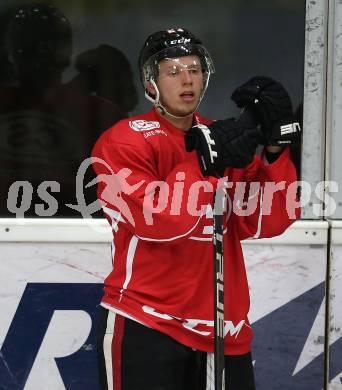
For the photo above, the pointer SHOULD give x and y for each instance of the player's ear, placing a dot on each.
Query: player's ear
(150, 88)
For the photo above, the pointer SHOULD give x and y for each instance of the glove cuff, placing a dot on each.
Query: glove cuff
(212, 147)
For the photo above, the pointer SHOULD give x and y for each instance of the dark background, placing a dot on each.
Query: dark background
(245, 38)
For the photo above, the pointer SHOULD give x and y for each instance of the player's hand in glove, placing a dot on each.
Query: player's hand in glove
(272, 108)
(224, 143)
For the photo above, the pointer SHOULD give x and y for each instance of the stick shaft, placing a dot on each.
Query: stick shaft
(219, 303)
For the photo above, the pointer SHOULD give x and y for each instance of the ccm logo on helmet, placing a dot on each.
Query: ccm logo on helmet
(142, 125)
(178, 41)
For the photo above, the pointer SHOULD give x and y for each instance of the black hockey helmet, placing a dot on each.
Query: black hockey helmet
(39, 33)
(172, 43)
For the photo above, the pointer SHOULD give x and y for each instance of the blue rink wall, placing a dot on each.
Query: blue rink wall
(49, 292)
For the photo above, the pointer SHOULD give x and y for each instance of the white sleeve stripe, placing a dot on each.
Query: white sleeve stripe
(117, 217)
(172, 238)
(112, 253)
(112, 213)
(201, 238)
(114, 216)
(129, 263)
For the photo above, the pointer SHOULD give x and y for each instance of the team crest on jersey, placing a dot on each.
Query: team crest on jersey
(142, 125)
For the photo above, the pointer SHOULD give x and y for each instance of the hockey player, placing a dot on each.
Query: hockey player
(157, 173)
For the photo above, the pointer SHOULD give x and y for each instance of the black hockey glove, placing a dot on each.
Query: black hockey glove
(224, 143)
(272, 108)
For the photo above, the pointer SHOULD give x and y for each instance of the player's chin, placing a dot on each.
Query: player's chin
(188, 109)
(183, 112)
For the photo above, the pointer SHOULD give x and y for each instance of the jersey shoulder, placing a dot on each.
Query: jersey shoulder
(131, 130)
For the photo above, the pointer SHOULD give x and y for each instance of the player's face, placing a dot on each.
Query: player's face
(180, 83)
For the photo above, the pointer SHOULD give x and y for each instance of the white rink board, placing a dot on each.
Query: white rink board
(49, 291)
(51, 267)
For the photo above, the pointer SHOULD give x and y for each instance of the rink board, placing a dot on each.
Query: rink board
(49, 292)
(287, 314)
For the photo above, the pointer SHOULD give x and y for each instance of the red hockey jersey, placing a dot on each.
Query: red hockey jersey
(160, 208)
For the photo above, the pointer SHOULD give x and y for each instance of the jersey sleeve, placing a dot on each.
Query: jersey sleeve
(151, 207)
(271, 203)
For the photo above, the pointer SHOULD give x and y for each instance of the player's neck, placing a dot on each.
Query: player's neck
(181, 123)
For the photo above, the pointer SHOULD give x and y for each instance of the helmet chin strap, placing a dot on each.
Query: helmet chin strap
(162, 110)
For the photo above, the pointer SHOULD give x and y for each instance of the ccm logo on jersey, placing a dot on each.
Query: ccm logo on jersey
(142, 125)
(289, 129)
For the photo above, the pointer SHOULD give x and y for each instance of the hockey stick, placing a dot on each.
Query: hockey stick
(219, 363)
